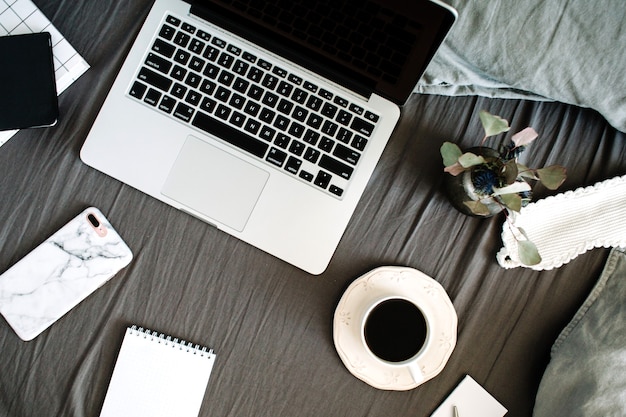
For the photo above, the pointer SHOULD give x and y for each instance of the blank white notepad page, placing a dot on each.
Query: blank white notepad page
(157, 376)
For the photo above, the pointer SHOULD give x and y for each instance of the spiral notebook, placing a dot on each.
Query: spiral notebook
(156, 375)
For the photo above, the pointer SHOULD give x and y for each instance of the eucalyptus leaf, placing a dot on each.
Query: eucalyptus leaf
(523, 232)
(450, 153)
(469, 159)
(525, 172)
(512, 201)
(524, 137)
(510, 172)
(553, 176)
(454, 169)
(477, 208)
(516, 187)
(492, 124)
(528, 253)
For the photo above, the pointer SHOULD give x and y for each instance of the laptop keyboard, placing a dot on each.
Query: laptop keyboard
(255, 105)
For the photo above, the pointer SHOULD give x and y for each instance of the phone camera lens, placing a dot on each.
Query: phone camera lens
(93, 220)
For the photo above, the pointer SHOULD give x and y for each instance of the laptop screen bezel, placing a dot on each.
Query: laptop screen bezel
(434, 18)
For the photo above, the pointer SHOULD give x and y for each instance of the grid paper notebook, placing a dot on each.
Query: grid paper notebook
(157, 376)
(18, 17)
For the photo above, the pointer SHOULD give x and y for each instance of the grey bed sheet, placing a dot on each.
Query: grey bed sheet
(270, 323)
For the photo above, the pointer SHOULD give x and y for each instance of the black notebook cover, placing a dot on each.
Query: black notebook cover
(28, 96)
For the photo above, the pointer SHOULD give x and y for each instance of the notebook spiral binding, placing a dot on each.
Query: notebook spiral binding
(169, 341)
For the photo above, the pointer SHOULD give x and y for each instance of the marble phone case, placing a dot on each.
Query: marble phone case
(58, 274)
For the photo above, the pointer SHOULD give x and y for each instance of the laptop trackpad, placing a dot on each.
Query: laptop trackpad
(215, 183)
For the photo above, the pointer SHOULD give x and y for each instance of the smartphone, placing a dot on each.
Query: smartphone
(61, 272)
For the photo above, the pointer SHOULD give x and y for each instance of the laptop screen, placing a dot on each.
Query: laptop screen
(380, 46)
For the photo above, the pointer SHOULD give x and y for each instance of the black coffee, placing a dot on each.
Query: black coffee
(395, 330)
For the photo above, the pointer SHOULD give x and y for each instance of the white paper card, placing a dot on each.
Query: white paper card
(471, 400)
(157, 376)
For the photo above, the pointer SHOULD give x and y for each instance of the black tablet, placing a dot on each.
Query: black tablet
(28, 96)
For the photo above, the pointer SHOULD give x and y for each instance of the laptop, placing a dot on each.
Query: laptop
(265, 119)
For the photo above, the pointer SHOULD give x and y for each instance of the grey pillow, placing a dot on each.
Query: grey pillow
(570, 51)
(586, 375)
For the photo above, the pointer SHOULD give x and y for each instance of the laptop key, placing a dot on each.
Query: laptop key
(196, 64)
(344, 135)
(293, 165)
(240, 67)
(336, 167)
(310, 86)
(164, 48)
(167, 104)
(305, 175)
(297, 148)
(264, 64)
(252, 108)
(311, 137)
(282, 140)
(158, 63)
(249, 57)
(220, 43)
(188, 28)
(193, 98)
(329, 110)
(222, 94)
(237, 119)
(211, 71)
(346, 154)
(343, 117)
(255, 74)
(296, 129)
(269, 81)
(154, 79)
(322, 179)
(312, 155)
(359, 142)
(314, 103)
(172, 20)
(255, 92)
(362, 126)
(208, 104)
(336, 190)
(203, 35)
(178, 72)
(226, 78)
(183, 112)
(226, 60)
(181, 39)
(207, 87)
(371, 116)
(178, 90)
(276, 157)
(137, 90)
(299, 96)
(267, 133)
(211, 53)
(152, 97)
(230, 135)
(193, 80)
(326, 144)
(222, 112)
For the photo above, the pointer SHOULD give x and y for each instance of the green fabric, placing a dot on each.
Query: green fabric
(586, 376)
(570, 51)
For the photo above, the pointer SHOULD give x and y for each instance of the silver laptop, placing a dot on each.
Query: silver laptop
(265, 118)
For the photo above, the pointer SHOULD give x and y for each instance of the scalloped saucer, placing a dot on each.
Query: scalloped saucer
(408, 283)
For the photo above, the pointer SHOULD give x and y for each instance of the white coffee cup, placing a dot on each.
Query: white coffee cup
(396, 333)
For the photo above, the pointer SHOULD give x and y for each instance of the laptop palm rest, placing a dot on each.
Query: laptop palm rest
(215, 183)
